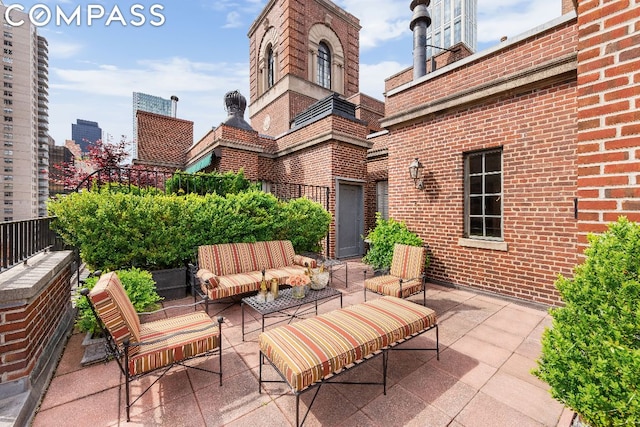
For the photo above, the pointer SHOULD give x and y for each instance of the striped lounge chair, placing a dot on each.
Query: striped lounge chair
(142, 348)
(406, 276)
(314, 351)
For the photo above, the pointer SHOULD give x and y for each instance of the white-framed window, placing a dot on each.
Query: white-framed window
(271, 67)
(483, 195)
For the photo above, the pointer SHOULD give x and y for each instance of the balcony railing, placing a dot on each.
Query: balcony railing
(20, 240)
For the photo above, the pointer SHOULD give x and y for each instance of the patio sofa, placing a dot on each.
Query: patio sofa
(229, 269)
(314, 351)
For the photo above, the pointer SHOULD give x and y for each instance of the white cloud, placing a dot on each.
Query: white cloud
(372, 77)
(381, 20)
(60, 49)
(497, 18)
(233, 20)
(103, 93)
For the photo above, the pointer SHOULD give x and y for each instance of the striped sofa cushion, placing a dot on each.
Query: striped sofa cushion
(390, 285)
(235, 284)
(232, 258)
(203, 336)
(115, 310)
(307, 351)
(408, 261)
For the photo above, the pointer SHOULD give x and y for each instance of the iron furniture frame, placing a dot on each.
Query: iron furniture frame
(284, 302)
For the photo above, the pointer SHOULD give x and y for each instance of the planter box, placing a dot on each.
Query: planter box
(171, 283)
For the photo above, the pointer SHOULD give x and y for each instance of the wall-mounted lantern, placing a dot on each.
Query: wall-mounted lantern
(415, 171)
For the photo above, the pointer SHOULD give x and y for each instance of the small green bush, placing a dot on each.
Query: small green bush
(140, 288)
(591, 355)
(383, 238)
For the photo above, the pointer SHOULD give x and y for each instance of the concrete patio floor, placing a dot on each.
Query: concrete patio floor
(488, 346)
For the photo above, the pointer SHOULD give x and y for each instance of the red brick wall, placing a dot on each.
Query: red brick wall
(537, 133)
(536, 127)
(368, 109)
(25, 330)
(233, 160)
(293, 20)
(608, 113)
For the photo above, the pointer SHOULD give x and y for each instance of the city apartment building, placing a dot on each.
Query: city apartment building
(452, 22)
(25, 121)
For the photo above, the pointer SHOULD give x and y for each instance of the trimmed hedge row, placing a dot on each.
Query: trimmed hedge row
(114, 230)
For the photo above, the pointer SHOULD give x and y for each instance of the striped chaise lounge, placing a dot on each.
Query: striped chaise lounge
(229, 269)
(311, 352)
(142, 348)
(406, 276)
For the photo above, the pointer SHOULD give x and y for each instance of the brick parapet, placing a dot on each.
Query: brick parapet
(35, 316)
(517, 57)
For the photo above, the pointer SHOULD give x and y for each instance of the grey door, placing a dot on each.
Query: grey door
(350, 220)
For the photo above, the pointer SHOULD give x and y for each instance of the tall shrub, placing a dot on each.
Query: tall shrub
(591, 355)
(383, 238)
(156, 231)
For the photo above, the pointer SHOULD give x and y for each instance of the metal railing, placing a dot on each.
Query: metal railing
(20, 240)
(134, 179)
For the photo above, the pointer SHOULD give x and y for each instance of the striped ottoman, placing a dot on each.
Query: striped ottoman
(307, 352)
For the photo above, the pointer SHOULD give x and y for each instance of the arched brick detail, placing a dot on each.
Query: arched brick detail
(322, 33)
(270, 39)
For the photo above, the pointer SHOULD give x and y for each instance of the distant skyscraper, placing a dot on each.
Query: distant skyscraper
(85, 132)
(452, 21)
(25, 120)
(151, 104)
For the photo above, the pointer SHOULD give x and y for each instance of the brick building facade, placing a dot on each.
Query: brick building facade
(526, 146)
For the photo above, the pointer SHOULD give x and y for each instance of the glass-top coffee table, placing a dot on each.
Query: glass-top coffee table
(288, 307)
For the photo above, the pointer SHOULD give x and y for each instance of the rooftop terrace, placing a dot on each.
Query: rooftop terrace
(488, 347)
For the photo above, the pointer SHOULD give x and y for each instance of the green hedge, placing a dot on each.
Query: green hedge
(115, 230)
(591, 355)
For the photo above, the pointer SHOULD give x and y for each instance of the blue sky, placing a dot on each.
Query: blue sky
(201, 51)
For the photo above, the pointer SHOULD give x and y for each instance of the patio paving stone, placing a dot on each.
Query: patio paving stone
(488, 347)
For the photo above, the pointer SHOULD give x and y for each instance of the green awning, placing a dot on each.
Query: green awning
(200, 164)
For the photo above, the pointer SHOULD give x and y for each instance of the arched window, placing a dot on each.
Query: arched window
(324, 65)
(271, 67)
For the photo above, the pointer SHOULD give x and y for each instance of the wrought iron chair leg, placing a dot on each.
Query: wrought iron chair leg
(127, 379)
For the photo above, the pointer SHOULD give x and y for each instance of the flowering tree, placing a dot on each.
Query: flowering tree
(101, 155)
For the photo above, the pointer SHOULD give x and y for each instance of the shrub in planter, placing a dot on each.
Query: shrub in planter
(140, 288)
(305, 223)
(591, 354)
(113, 230)
(157, 231)
(383, 238)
